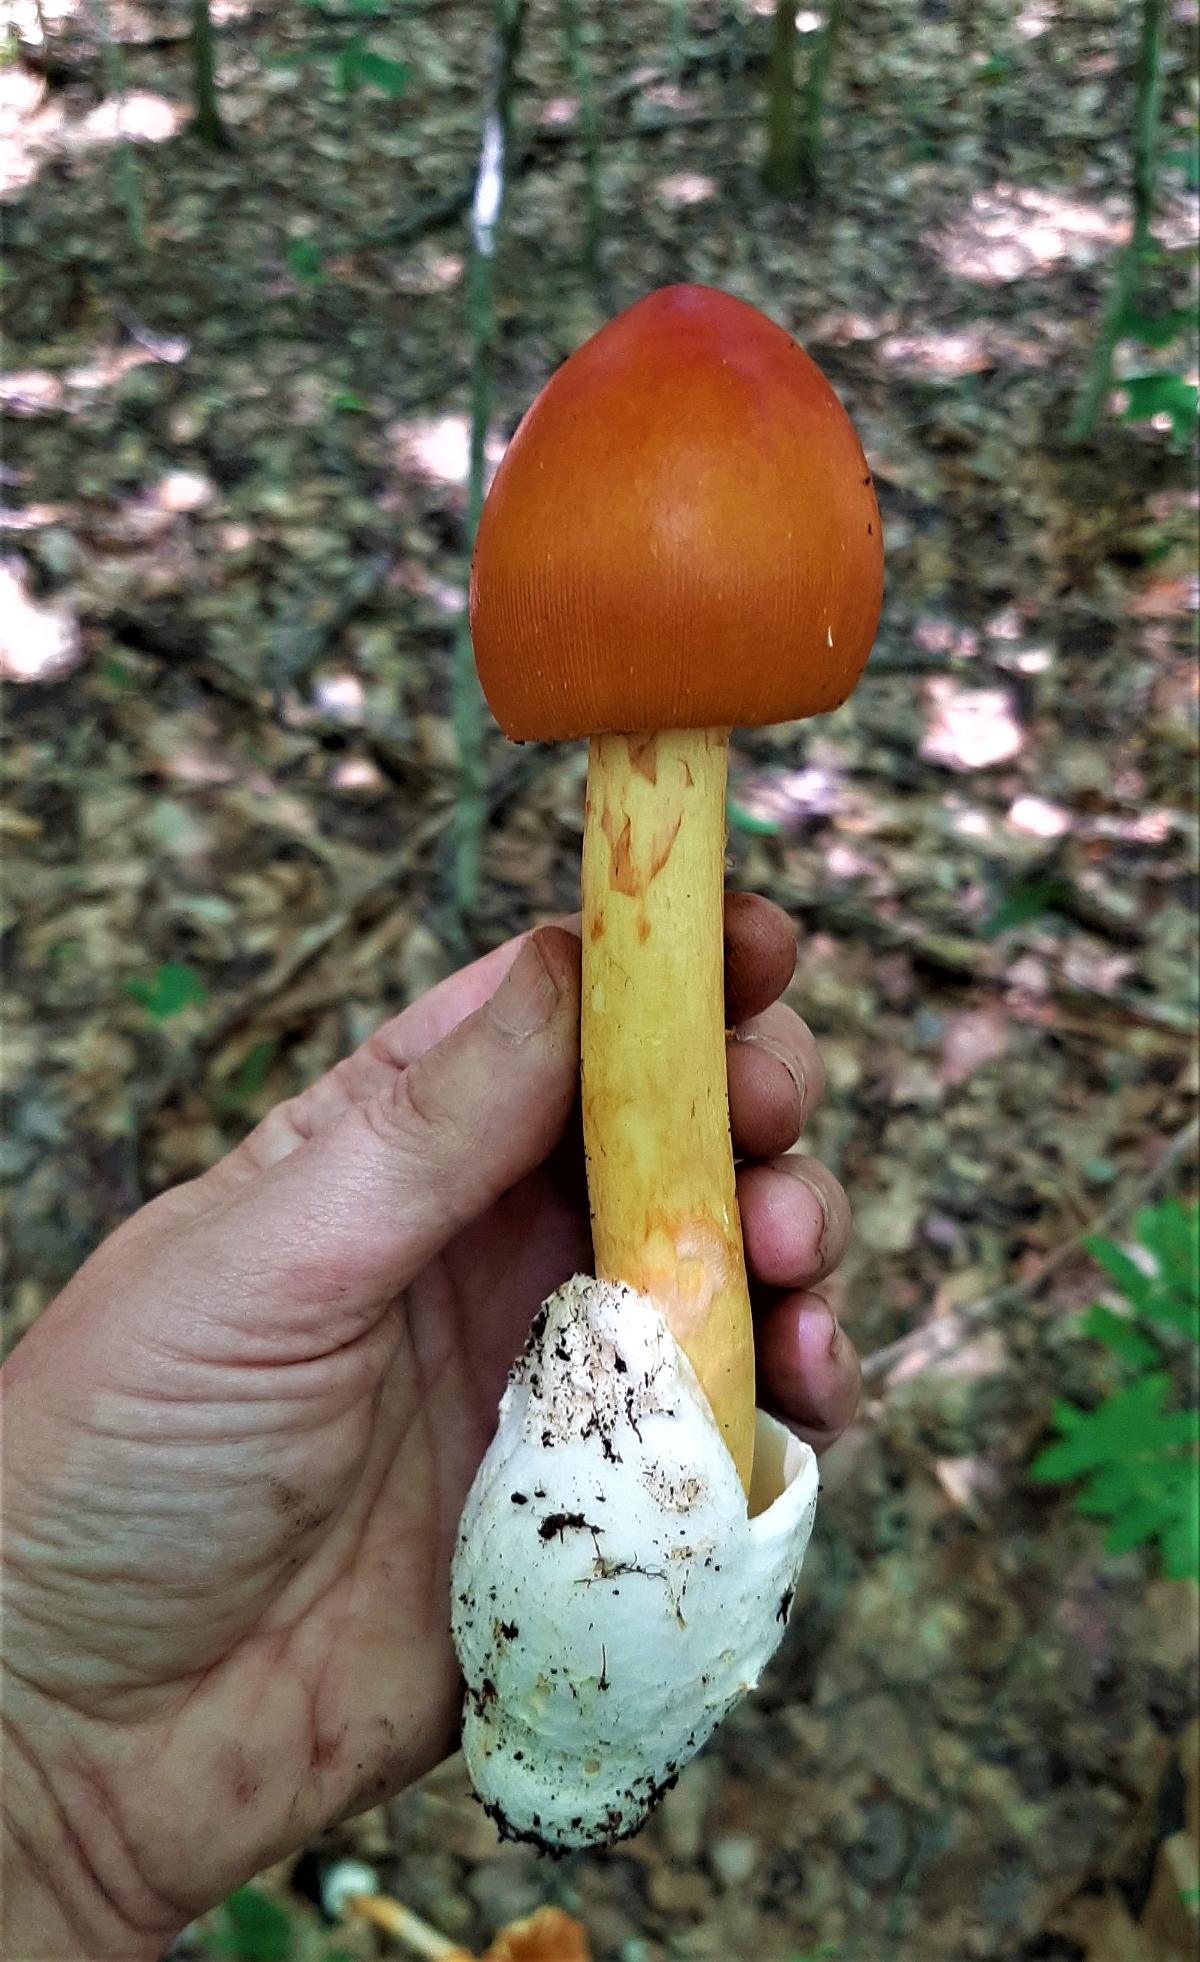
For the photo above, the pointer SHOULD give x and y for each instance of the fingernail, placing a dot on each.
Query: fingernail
(836, 1338)
(810, 1185)
(753, 1041)
(528, 995)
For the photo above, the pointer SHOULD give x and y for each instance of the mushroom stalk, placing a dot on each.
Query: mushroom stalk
(655, 1096)
(682, 538)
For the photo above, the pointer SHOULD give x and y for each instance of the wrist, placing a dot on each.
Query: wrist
(71, 1890)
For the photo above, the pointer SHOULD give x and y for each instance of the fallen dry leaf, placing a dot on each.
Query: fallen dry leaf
(39, 639)
(970, 728)
(976, 1037)
(547, 1936)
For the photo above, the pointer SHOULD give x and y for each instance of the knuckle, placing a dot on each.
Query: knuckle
(411, 1116)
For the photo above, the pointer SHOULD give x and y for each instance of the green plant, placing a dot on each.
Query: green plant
(172, 988)
(251, 1927)
(255, 1926)
(1138, 1451)
(1172, 397)
(360, 66)
(303, 258)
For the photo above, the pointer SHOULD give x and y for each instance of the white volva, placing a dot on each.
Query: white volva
(612, 1595)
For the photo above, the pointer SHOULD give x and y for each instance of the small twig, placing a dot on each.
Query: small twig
(934, 1340)
(382, 1912)
(188, 1067)
(969, 961)
(487, 206)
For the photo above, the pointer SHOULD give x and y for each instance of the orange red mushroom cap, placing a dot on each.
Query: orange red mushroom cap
(683, 533)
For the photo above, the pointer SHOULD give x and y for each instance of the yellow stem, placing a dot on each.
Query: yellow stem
(655, 1096)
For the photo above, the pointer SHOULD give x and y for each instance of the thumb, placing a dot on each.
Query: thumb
(358, 1211)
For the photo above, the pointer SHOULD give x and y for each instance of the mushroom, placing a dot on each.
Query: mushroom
(682, 537)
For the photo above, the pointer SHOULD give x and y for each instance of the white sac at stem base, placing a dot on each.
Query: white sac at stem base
(612, 1594)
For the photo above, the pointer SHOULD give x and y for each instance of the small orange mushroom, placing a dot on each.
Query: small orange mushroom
(682, 537)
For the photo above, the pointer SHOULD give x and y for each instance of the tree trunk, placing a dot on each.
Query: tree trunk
(207, 125)
(812, 115)
(781, 164)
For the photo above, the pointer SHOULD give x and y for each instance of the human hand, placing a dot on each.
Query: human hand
(238, 1444)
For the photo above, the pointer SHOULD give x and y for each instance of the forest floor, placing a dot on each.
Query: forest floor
(236, 476)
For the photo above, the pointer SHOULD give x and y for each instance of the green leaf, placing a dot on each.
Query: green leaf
(1180, 1544)
(348, 400)
(1134, 1524)
(172, 988)
(1186, 157)
(304, 260)
(357, 64)
(1139, 1464)
(1171, 1233)
(392, 77)
(1120, 1335)
(1174, 1311)
(1136, 1286)
(1027, 899)
(755, 827)
(119, 673)
(1107, 1491)
(1162, 395)
(252, 1073)
(255, 1928)
(1109, 1432)
(1156, 331)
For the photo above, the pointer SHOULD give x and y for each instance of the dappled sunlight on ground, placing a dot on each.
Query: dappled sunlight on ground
(37, 391)
(969, 728)
(437, 449)
(559, 112)
(39, 639)
(36, 126)
(139, 116)
(971, 350)
(1014, 231)
(784, 800)
(1035, 817)
(686, 187)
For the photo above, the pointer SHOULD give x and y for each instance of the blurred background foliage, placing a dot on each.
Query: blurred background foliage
(279, 282)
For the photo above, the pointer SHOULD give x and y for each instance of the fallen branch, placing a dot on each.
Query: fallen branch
(967, 960)
(935, 1340)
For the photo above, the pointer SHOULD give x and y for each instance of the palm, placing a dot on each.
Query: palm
(323, 1630)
